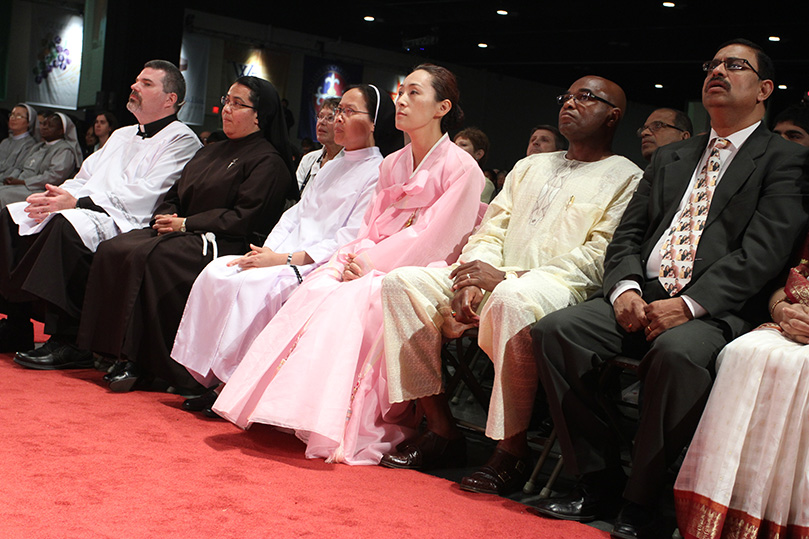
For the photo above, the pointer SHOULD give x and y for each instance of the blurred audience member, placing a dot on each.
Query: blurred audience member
(314, 160)
(545, 138)
(104, 125)
(475, 142)
(90, 141)
(663, 126)
(793, 124)
(53, 160)
(23, 127)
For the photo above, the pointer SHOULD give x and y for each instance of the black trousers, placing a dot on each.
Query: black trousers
(44, 275)
(676, 372)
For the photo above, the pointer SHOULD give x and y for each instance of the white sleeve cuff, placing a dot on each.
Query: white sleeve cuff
(621, 287)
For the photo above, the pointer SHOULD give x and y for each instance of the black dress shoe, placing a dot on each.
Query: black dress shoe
(116, 369)
(503, 474)
(426, 451)
(16, 336)
(55, 356)
(583, 504)
(636, 522)
(203, 403)
(123, 379)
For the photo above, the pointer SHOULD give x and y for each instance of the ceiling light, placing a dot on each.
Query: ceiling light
(669, 4)
(369, 18)
(774, 38)
(658, 85)
(782, 86)
(502, 12)
(483, 45)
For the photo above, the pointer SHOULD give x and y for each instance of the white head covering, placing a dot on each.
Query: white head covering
(33, 120)
(71, 137)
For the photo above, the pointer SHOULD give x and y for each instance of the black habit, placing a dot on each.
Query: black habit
(139, 282)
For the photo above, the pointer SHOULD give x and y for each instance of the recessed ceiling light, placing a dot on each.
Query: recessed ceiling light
(782, 86)
(669, 4)
(483, 45)
(774, 38)
(658, 85)
(502, 12)
(369, 18)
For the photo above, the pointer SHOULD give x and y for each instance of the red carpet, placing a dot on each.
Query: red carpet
(81, 462)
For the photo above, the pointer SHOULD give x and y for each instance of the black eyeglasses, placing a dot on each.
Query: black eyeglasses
(348, 112)
(581, 97)
(654, 127)
(235, 105)
(731, 64)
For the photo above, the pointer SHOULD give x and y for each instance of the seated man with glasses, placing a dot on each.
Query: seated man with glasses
(540, 248)
(713, 223)
(663, 126)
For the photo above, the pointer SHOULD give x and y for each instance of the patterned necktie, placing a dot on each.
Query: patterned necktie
(680, 246)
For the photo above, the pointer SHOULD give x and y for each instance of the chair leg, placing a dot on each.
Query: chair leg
(530, 485)
(546, 492)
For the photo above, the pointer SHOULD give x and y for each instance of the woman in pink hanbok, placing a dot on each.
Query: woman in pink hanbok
(746, 474)
(317, 368)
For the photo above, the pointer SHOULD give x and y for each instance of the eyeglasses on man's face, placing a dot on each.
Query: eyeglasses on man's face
(654, 127)
(17, 116)
(234, 105)
(731, 64)
(327, 117)
(581, 97)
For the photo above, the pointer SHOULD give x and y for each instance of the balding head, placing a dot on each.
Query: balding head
(591, 120)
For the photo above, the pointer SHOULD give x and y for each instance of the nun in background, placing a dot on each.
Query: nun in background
(23, 130)
(52, 161)
(228, 194)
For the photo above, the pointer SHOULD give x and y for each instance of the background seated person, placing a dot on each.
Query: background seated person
(313, 161)
(545, 138)
(663, 126)
(793, 124)
(23, 128)
(53, 160)
(475, 142)
(105, 123)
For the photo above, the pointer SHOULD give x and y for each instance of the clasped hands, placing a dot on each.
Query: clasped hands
(470, 281)
(165, 224)
(41, 205)
(633, 314)
(795, 322)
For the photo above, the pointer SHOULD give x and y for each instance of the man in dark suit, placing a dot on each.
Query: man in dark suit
(713, 222)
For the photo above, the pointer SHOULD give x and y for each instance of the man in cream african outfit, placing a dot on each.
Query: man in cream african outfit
(540, 248)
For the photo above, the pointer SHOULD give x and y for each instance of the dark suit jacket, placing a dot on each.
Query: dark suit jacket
(756, 220)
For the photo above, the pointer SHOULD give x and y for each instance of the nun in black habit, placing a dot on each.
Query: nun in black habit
(228, 194)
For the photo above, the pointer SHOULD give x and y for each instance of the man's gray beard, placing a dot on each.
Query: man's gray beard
(133, 106)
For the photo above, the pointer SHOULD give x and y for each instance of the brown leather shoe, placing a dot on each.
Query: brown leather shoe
(426, 451)
(503, 474)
